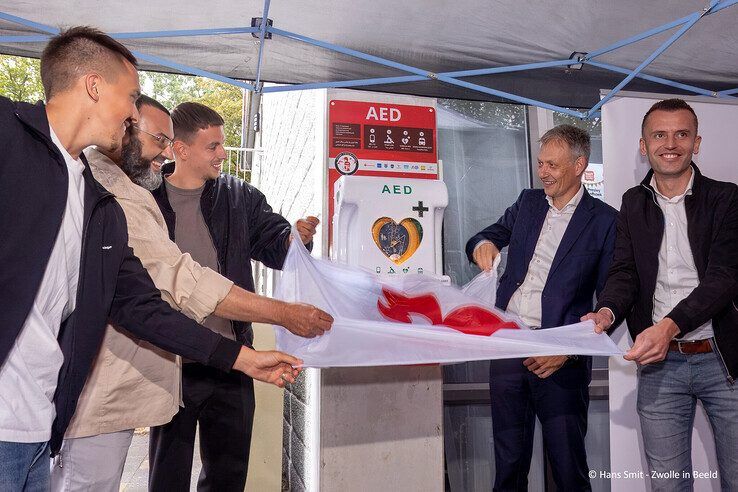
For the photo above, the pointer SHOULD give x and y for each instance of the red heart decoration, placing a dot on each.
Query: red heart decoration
(470, 319)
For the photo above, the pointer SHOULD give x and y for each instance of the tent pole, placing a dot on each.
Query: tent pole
(39, 38)
(348, 51)
(25, 22)
(345, 83)
(716, 6)
(184, 32)
(512, 97)
(638, 37)
(192, 70)
(646, 62)
(651, 78)
(416, 78)
(262, 37)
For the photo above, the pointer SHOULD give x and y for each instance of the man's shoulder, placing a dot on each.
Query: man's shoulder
(722, 188)
(6, 105)
(104, 170)
(601, 208)
(115, 217)
(236, 186)
(531, 195)
(8, 113)
(636, 193)
(230, 180)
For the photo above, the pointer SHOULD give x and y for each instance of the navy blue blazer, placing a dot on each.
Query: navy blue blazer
(581, 262)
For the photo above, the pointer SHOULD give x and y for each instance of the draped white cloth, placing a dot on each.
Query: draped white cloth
(413, 319)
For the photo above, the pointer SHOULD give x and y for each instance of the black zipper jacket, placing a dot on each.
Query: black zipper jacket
(112, 282)
(243, 227)
(712, 229)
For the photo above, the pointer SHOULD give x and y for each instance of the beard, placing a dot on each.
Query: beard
(136, 167)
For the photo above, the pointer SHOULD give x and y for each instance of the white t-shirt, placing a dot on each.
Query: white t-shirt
(29, 375)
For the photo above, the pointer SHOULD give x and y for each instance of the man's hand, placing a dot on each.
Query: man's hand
(484, 256)
(306, 228)
(305, 320)
(652, 344)
(544, 366)
(269, 366)
(603, 319)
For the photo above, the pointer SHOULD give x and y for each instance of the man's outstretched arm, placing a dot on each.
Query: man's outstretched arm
(137, 306)
(303, 320)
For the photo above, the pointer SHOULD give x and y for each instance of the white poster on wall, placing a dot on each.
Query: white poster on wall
(593, 179)
(624, 167)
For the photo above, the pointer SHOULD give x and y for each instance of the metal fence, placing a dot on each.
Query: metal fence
(237, 162)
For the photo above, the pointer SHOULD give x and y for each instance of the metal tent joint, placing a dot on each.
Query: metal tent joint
(256, 23)
(579, 57)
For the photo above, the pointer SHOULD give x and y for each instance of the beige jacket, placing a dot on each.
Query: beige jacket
(132, 383)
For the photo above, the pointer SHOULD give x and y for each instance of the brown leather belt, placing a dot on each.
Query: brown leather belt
(691, 347)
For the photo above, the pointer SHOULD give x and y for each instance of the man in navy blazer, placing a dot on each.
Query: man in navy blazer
(560, 243)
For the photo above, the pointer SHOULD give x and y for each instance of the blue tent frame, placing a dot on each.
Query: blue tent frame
(416, 74)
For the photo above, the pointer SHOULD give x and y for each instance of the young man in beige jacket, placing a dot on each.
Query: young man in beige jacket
(134, 384)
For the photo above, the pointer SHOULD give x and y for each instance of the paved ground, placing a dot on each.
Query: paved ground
(136, 471)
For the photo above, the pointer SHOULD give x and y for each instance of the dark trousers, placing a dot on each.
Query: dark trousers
(560, 402)
(223, 405)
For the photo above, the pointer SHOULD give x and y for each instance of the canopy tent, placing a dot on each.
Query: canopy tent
(493, 50)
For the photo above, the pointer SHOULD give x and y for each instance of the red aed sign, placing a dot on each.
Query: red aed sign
(380, 139)
(385, 132)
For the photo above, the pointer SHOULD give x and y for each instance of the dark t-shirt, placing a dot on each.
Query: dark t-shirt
(192, 236)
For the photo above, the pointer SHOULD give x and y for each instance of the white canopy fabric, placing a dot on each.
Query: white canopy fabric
(433, 35)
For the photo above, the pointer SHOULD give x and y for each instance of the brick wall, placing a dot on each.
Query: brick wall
(290, 173)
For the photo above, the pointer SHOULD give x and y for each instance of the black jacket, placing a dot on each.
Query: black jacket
(243, 228)
(712, 229)
(112, 282)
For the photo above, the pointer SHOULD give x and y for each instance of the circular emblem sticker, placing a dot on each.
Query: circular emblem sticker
(346, 163)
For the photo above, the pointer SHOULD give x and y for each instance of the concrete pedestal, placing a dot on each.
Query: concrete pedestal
(377, 428)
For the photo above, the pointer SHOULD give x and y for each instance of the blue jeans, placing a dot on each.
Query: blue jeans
(667, 398)
(24, 466)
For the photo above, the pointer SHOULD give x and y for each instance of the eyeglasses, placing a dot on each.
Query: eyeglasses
(162, 140)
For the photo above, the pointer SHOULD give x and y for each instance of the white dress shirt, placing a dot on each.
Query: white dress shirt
(526, 300)
(677, 275)
(29, 375)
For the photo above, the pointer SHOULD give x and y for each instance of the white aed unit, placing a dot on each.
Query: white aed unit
(391, 226)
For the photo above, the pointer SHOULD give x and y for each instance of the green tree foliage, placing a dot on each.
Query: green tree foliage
(20, 79)
(227, 100)
(171, 90)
